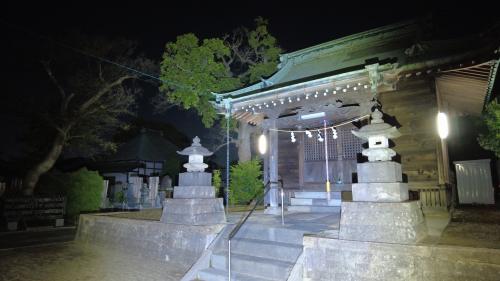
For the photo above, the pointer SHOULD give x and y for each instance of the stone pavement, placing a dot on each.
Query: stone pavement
(71, 261)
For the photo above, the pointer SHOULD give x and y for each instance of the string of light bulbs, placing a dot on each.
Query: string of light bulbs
(316, 94)
(320, 137)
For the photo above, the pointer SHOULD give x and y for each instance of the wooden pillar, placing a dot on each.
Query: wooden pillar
(301, 159)
(273, 165)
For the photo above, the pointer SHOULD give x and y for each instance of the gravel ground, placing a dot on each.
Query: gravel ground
(75, 262)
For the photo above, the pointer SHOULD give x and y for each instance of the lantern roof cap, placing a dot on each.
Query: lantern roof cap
(195, 149)
(377, 128)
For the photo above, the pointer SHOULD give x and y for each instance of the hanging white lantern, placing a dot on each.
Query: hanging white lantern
(262, 144)
(320, 138)
(442, 125)
(292, 136)
(334, 133)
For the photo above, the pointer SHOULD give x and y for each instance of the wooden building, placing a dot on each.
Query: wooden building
(412, 77)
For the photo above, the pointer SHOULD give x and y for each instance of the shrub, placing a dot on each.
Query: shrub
(217, 182)
(245, 182)
(83, 190)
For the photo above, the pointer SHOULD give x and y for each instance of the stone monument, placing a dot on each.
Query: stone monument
(194, 201)
(380, 211)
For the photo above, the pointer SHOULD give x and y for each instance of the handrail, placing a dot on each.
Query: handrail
(242, 221)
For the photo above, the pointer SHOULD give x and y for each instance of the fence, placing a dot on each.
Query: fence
(436, 197)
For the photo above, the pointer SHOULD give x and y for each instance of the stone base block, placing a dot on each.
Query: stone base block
(195, 179)
(194, 192)
(380, 192)
(381, 171)
(382, 222)
(197, 211)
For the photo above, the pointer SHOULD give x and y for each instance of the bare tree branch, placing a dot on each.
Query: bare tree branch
(102, 92)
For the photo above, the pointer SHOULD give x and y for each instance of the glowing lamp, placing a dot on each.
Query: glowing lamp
(442, 125)
(262, 144)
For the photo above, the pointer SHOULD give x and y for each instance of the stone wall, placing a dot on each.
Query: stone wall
(334, 259)
(178, 243)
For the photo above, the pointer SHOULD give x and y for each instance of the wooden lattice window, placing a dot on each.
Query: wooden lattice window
(315, 150)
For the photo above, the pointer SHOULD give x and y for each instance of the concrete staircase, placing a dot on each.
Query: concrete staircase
(315, 201)
(263, 249)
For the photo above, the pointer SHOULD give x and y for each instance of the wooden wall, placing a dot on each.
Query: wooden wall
(413, 105)
(288, 161)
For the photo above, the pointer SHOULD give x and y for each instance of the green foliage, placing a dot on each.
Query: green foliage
(217, 182)
(193, 69)
(120, 197)
(491, 118)
(82, 189)
(246, 182)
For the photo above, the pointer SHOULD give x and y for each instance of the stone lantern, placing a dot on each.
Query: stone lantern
(380, 210)
(195, 153)
(379, 179)
(194, 201)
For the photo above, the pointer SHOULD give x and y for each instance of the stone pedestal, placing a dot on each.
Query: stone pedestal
(399, 222)
(195, 179)
(380, 192)
(194, 211)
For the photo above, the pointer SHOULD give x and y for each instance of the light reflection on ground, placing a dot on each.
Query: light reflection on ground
(72, 261)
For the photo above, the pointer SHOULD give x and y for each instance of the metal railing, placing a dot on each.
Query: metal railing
(245, 218)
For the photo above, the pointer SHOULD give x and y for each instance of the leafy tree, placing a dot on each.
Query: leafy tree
(246, 182)
(193, 69)
(491, 118)
(87, 101)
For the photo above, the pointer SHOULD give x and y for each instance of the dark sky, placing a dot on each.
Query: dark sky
(296, 24)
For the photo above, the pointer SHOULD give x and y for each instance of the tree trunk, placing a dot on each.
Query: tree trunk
(244, 142)
(31, 178)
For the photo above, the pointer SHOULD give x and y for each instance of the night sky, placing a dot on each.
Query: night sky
(295, 24)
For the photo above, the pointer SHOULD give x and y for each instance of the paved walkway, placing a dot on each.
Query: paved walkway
(71, 261)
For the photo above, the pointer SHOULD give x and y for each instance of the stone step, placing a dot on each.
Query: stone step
(212, 274)
(314, 209)
(315, 202)
(265, 249)
(271, 233)
(250, 265)
(317, 194)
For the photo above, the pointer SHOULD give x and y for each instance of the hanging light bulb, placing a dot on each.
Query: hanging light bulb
(307, 97)
(334, 92)
(442, 125)
(298, 98)
(262, 144)
(289, 100)
(282, 101)
(320, 138)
